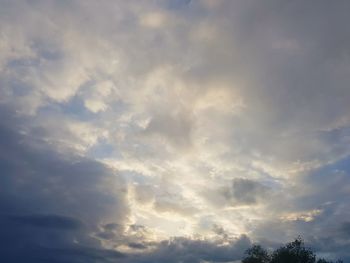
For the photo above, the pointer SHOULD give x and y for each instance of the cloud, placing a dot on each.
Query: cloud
(242, 192)
(46, 221)
(51, 204)
(246, 191)
(226, 113)
(186, 250)
(175, 127)
(174, 207)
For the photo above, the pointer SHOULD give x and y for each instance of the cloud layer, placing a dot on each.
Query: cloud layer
(172, 131)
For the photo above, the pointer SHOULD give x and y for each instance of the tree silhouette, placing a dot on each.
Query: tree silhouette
(293, 252)
(256, 254)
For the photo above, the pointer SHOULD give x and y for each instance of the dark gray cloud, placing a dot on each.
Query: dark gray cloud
(51, 203)
(137, 245)
(247, 192)
(241, 191)
(46, 221)
(195, 251)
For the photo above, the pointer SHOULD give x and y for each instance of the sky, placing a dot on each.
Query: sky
(173, 130)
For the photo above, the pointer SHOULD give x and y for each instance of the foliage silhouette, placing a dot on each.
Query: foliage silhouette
(256, 254)
(293, 252)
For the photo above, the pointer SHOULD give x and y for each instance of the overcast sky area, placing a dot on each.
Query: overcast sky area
(173, 130)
